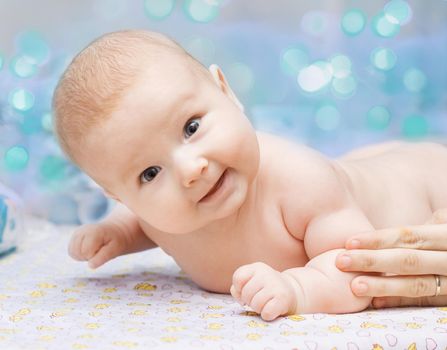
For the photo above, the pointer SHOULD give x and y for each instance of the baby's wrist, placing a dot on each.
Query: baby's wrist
(297, 295)
(112, 226)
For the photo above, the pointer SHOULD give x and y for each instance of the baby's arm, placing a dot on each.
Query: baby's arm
(323, 286)
(317, 287)
(117, 234)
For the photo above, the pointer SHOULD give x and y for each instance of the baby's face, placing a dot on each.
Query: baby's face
(174, 136)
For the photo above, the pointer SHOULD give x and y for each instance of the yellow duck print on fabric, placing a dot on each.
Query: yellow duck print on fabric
(145, 286)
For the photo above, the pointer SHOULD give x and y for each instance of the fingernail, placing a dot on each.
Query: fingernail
(360, 288)
(354, 243)
(344, 261)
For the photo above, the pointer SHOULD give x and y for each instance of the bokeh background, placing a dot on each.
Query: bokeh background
(332, 74)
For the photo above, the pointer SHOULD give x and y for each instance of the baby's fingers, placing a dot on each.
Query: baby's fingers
(240, 277)
(91, 244)
(274, 308)
(106, 252)
(250, 289)
(244, 274)
(235, 293)
(74, 247)
(428, 237)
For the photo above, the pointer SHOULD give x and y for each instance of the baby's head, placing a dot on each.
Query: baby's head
(100, 75)
(156, 130)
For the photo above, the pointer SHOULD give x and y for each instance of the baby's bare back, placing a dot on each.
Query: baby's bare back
(398, 183)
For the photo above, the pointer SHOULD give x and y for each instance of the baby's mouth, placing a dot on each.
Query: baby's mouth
(215, 187)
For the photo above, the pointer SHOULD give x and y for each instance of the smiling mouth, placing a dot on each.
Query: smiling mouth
(214, 188)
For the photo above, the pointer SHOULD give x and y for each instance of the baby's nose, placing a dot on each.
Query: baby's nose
(195, 171)
(191, 167)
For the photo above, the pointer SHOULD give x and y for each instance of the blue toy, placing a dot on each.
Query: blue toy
(10, 223)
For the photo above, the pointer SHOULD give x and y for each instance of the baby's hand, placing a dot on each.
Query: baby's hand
(97, 243)
(265, 290)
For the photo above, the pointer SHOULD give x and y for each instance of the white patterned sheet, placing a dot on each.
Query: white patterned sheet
(143, 301)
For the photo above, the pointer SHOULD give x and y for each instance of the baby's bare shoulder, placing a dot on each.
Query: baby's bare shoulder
(304, 181)
(282, 159)
(277, 148)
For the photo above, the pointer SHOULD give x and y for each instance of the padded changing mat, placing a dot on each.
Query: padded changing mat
(143, 301)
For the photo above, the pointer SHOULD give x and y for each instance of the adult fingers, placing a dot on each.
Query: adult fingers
(428, 237)
(404, 286)
(405, 301)
(397, 261)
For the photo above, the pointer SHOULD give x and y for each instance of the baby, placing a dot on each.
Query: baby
(240, 211)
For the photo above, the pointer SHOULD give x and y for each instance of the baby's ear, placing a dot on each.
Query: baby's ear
(221, 81)
(110, 195)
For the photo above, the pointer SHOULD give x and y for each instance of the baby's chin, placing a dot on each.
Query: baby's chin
(230, 209)
(204, 221)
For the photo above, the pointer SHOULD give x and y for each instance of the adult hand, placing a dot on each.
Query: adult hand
(414, 259)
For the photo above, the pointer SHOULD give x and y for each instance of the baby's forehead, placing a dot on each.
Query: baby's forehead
(161, 91)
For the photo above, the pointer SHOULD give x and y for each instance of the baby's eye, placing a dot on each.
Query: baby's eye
(191, 127)
(149, 174)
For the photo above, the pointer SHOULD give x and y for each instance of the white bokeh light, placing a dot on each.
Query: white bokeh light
(315, 77)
